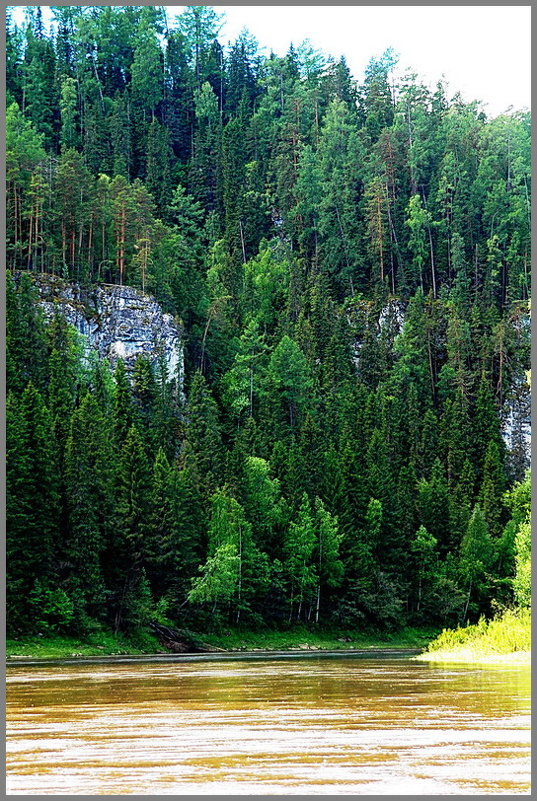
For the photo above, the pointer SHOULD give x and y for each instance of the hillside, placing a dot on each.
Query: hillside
(267, 335)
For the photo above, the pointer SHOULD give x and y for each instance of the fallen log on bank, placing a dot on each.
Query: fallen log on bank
(181, 641)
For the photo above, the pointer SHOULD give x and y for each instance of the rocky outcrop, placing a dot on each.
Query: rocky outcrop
(371, 323)
(516, 410)
(516, 427)
(116, 321)
(368, 322)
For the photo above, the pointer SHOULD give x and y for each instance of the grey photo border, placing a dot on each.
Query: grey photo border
(4, 5)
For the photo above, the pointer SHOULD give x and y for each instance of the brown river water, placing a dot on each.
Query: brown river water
(268, 726)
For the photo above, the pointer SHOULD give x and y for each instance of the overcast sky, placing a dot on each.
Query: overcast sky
(481, 51)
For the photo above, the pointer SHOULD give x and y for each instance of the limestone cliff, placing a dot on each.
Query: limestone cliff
(116, 321)
(370, 323)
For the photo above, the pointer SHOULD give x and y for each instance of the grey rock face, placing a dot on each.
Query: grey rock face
(117, 321)
(516, 427)
(516, 411)
(369, 322)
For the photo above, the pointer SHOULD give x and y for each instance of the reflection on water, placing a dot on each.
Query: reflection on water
(316, 726)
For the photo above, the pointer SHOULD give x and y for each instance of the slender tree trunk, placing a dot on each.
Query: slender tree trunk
(80, 239)
(467, 602)
(431, 365)
(319, 580)
(394, 237)
(98, 80)
(121, 255)
(240, 576)
(30, 231)
(242, 243)
(90, 245)
(433, 269)
(16, 222)
(343, 238)
(72, 247)
(291, 605)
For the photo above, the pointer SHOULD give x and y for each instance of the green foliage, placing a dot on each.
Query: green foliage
(202, 449)
(289, 378)
(51, 609)
(349, 267)
(219, 578)
(507, 633)
(522, 580)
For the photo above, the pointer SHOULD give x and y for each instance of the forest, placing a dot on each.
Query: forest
(349, 262)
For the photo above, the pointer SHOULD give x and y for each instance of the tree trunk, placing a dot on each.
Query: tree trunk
(29, 255)
(240, 576)
(381, 250)
(467, 602)
(433, 270)
(242, 243)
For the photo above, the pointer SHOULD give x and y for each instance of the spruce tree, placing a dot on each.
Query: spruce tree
(33, 509)
(202, 448)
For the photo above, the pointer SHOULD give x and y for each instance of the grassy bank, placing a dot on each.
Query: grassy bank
(322, 639)
(100, 643)
(106, 643)
(505, 639)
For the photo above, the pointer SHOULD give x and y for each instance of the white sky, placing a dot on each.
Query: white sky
(481, 51)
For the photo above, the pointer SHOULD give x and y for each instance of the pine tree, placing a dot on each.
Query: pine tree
(202, 448)
(134, 498)
(476, 557)
(424, 557)
(89, 471)
(492, 490)
(146, 68)
(132, 517)
(188, 539)
(124, 410)
(68, 111)
(25, 336)
(33, 501)
(433, 503)
(161, 541)
(289, 376)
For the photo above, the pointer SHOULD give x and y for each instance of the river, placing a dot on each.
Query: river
(265, 726)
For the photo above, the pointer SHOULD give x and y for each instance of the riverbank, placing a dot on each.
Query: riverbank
(103, 643)
(504, 640)
(474, 656)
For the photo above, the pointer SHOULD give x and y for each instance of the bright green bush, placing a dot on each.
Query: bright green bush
(507, 633)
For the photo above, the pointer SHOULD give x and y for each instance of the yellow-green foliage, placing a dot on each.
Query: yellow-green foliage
(522, 580)
(505, 634)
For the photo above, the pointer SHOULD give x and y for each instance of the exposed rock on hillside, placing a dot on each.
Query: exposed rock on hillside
(369, 322)
(117, 321)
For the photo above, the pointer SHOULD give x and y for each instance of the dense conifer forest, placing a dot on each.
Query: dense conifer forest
(349, 261)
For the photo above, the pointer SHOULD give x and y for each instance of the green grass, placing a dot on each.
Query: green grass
(328, 639)
(98, 643)
(504, 635)
(103, 643)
